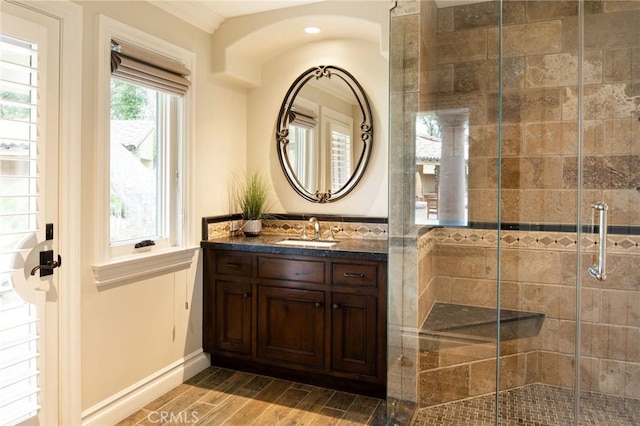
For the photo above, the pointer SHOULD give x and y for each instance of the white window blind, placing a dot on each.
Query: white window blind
(19, 181)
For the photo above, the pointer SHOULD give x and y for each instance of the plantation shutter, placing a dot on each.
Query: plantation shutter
(19, 182)
(140, 66)
(340, 159)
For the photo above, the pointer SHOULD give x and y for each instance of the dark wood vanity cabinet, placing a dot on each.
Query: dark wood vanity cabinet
(291, 325)
(315, 319)
(233, 316)
(228, 307)
(354, 333)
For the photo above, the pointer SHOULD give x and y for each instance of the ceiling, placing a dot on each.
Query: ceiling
(240, 50)
(240, 58)
(231, 8)
(209, 14)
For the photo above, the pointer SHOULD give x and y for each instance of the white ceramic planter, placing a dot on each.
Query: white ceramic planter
(252, 228)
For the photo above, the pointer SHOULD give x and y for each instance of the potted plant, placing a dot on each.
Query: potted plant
(252, 198)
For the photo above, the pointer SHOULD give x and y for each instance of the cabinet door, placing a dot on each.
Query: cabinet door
(233, 317)
(291, 325)
(354, 333)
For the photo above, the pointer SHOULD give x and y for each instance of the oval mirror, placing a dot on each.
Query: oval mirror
(324, 133)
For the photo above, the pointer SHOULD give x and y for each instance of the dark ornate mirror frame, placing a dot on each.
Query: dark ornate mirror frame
(366, 132)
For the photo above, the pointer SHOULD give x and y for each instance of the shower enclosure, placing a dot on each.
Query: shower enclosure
(514, 254)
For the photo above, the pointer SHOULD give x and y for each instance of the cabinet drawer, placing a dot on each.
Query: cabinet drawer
(354, 274)
(230, 264)
(308, 271)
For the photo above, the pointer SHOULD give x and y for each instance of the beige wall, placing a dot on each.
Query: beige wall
(134, 330)
(370, 68)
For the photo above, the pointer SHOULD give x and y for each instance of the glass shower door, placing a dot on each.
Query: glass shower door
(512, 125)
(609, 171)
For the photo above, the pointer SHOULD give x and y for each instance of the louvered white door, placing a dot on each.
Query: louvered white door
(29, 87)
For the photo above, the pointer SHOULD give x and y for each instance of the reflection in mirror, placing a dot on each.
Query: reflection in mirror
(442, 155)
(324, 134)
(303, 145)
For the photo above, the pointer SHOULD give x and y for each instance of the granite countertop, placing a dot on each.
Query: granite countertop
(346, 248)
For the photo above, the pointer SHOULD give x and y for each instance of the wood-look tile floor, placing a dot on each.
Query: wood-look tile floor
(218, 396)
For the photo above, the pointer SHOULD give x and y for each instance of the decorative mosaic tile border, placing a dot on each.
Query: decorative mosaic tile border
(426, 243)
(293, 227)
(563, 241)
(358, 230)
(217, 230)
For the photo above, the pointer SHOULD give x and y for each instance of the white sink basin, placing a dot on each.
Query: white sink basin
(308, 243)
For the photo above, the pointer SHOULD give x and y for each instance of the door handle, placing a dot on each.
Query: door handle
(47, 264)
(599, 270)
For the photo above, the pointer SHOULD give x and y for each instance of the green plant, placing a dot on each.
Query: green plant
(128, 101)
(252, 196)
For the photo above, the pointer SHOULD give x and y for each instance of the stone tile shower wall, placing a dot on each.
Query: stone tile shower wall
(427, 285)
(540, 106)
(411, 292)
(457, 62)
(537, 275)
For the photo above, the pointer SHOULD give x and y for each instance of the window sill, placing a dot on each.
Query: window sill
(156, 262)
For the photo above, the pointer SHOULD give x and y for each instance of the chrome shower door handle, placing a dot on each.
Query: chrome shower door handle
(599, 270)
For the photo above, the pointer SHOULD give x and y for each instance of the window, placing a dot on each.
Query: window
(338, 133)
(340, 155)
(144, 145)
(442, 169)
(301, 150)
(145, 87)
(303, 145)
(146, 120)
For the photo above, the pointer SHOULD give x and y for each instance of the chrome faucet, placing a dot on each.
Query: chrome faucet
(316, 228)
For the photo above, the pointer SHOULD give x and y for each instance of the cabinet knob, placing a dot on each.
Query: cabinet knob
(246, 295)
(336, 306)
(318, 304)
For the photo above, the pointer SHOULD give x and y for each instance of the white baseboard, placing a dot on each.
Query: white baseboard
(136, 396)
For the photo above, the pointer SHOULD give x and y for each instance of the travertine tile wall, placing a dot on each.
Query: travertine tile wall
(540, 106)
(409, 289)
(537, 274)
(458, 60)
(426, 276)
